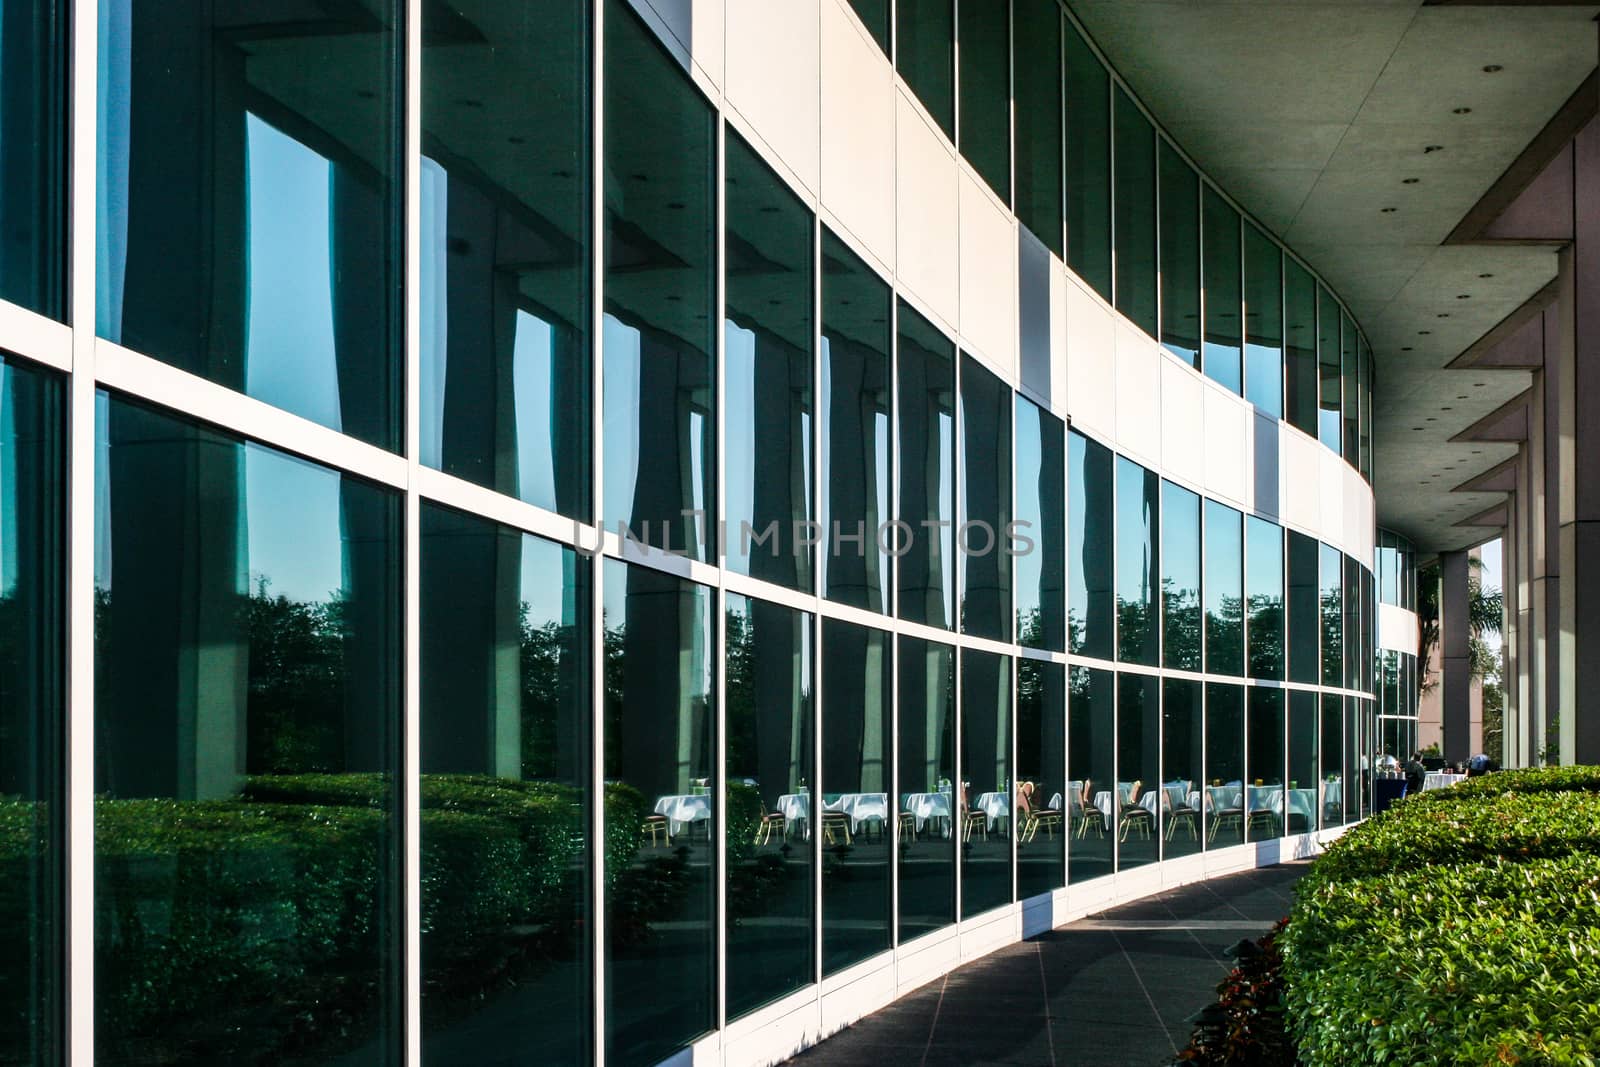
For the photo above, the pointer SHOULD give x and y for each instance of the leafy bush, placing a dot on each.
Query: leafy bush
(1244, 1028)
(1459, 927)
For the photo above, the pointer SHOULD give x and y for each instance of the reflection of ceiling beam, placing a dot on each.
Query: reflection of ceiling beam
(1532, 172)
(1501, 478)
(1517, 341)
(1496, 516)
(1508, 422)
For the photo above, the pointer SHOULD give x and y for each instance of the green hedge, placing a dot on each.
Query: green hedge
(1460, 927)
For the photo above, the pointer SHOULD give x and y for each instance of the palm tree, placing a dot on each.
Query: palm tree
(1485, 611)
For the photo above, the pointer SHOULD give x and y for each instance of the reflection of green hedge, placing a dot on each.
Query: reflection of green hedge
(1457, 928)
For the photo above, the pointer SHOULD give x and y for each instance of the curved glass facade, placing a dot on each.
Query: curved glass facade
(637, 605)
(1398, 683)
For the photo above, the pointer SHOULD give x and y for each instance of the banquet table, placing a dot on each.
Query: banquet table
(925, 806)
(1440, 780)
(683, 810)
(995, 807)
(859, 807)
(795, 808)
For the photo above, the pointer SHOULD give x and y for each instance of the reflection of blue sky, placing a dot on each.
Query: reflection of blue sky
(531, 382)
(433, 306)
(619, 405)
(112, 132)
(1029, 452)
(290, 359)
(739, 371)
(293, 525)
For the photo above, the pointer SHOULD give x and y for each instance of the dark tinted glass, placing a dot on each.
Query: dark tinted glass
(1352, 624)
(1224, 799)
(1267, 763)
(1263, 321)
(854, 424)
(1300, 346)
(767, 330)
(874, 15)
(857, 727)
(505, 793)
(987, 808)
(249, 201)
(1330, 598)
(1089, 547)
(925, 55)
(1364, 390)
(1224, 589)
(983, 546)
(1223, 343)
(1138, 564)
(1331, 753)
(929, 819)
(1040, 563)
(33, 135)
(1358, 774)
(985, 35)
(927, 388)
(659, 286)
(767, 689)
(1037, 82)
(1138, 770)
(1328, 380)
(1180, 577)
(1304, 616)
(1264, 596)
(1182, 766)
(1091, 772)
(1351, 406)
(1041, 769)
(505, 249)
(1180, 256)
(660, 773)
(1088, 94)
(32, 710)
(248, 702)
(1136, 214)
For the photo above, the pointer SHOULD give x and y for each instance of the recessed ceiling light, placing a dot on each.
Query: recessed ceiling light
(1416, 427)
(1430, 418)
(1463, 396)
(1444, 314)
(1389, 210)
(1479, 385)
(1409, 181)
(1486, 275)
(1428, 150)
(1423, 333)
(1461, 111)
(1406, 348)
(1447, 409)
(1493, 68)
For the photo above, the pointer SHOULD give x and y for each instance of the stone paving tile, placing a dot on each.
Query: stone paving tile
(1114, 989)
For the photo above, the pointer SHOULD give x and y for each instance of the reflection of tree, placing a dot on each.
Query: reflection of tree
(548, 673)
(1266, 636)
(1181, 621)
(1333, 636)
(1136, 621)
(1225, 634)
(296, 689)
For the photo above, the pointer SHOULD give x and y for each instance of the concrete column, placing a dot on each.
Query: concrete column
(1513, 662)
(1454, 643)
(1579, 391)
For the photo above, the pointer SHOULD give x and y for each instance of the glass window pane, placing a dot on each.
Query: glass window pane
(1180, 256)
(857, 728)
(660, 773)
(1351, 406)
(1263, 321)
(925, 55)
(987, 807)
(249, 201)
(1220, 288)
(505, 792)
(1138, 770)
(983, 546)
(1224, 798)
(854, 424)
(1136, 214)
(771, 753)
(1265, 797)
(767, 332)
(33, 130)
(874, 15)
(1264, 595)
(1352, 624)
(1037, 83)
(33, 710)
(1041, 766)
(1224, 589)
(1089, 547)
(1328, 369)
(1091, 770)
(1331, 597)
(925, 776)
(1300, 346)
(927, 387)
(1364, 387)
(1357, 772)
(505, 251)
(1303, 611)
(248, 706)
(1182, 766)
(1332, 756)
(1088, 163)
(1138, 564)
(1040, 566)
(1180, 577)
(658, 417)
(985, 53)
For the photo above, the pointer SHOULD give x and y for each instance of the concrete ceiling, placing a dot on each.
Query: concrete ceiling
(1317, 116)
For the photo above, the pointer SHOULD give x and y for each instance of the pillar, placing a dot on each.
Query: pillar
(1456, 655)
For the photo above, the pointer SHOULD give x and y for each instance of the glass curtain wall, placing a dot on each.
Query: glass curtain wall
(1041, 783)
(874, 15)
(1091, 772)
(1138, 786)
(930, 804)
(1264, 596)
(983, 539)
(1090, 542)
(1223, 349)
(1180, 255)
(1330, 594)
(1088, 155)
(1224, 589)
(984, 33)
(1265, 800)
(1180, 578)
(33, 135)
(1135, 223)
(1328, 374)
(925, 56)
(1138, 565)
(988, 810)
(927, 413)
(1039, 567)
(1303, 610)
(1332, 752)
(1183, 753)
(1223, 800)
(1300, 346)
(1263, 322)
(1036, 82)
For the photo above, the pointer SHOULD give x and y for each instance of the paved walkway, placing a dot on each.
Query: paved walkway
(1112, 989)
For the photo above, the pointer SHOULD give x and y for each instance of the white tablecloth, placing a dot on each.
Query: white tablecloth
(1266, 798)
(925, 806)
(859, 807)
(682, 810)
(1439, 780)
(1303, 802)
(1332, 794)
(795, 808)
(996, 807)
(1222, 797)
